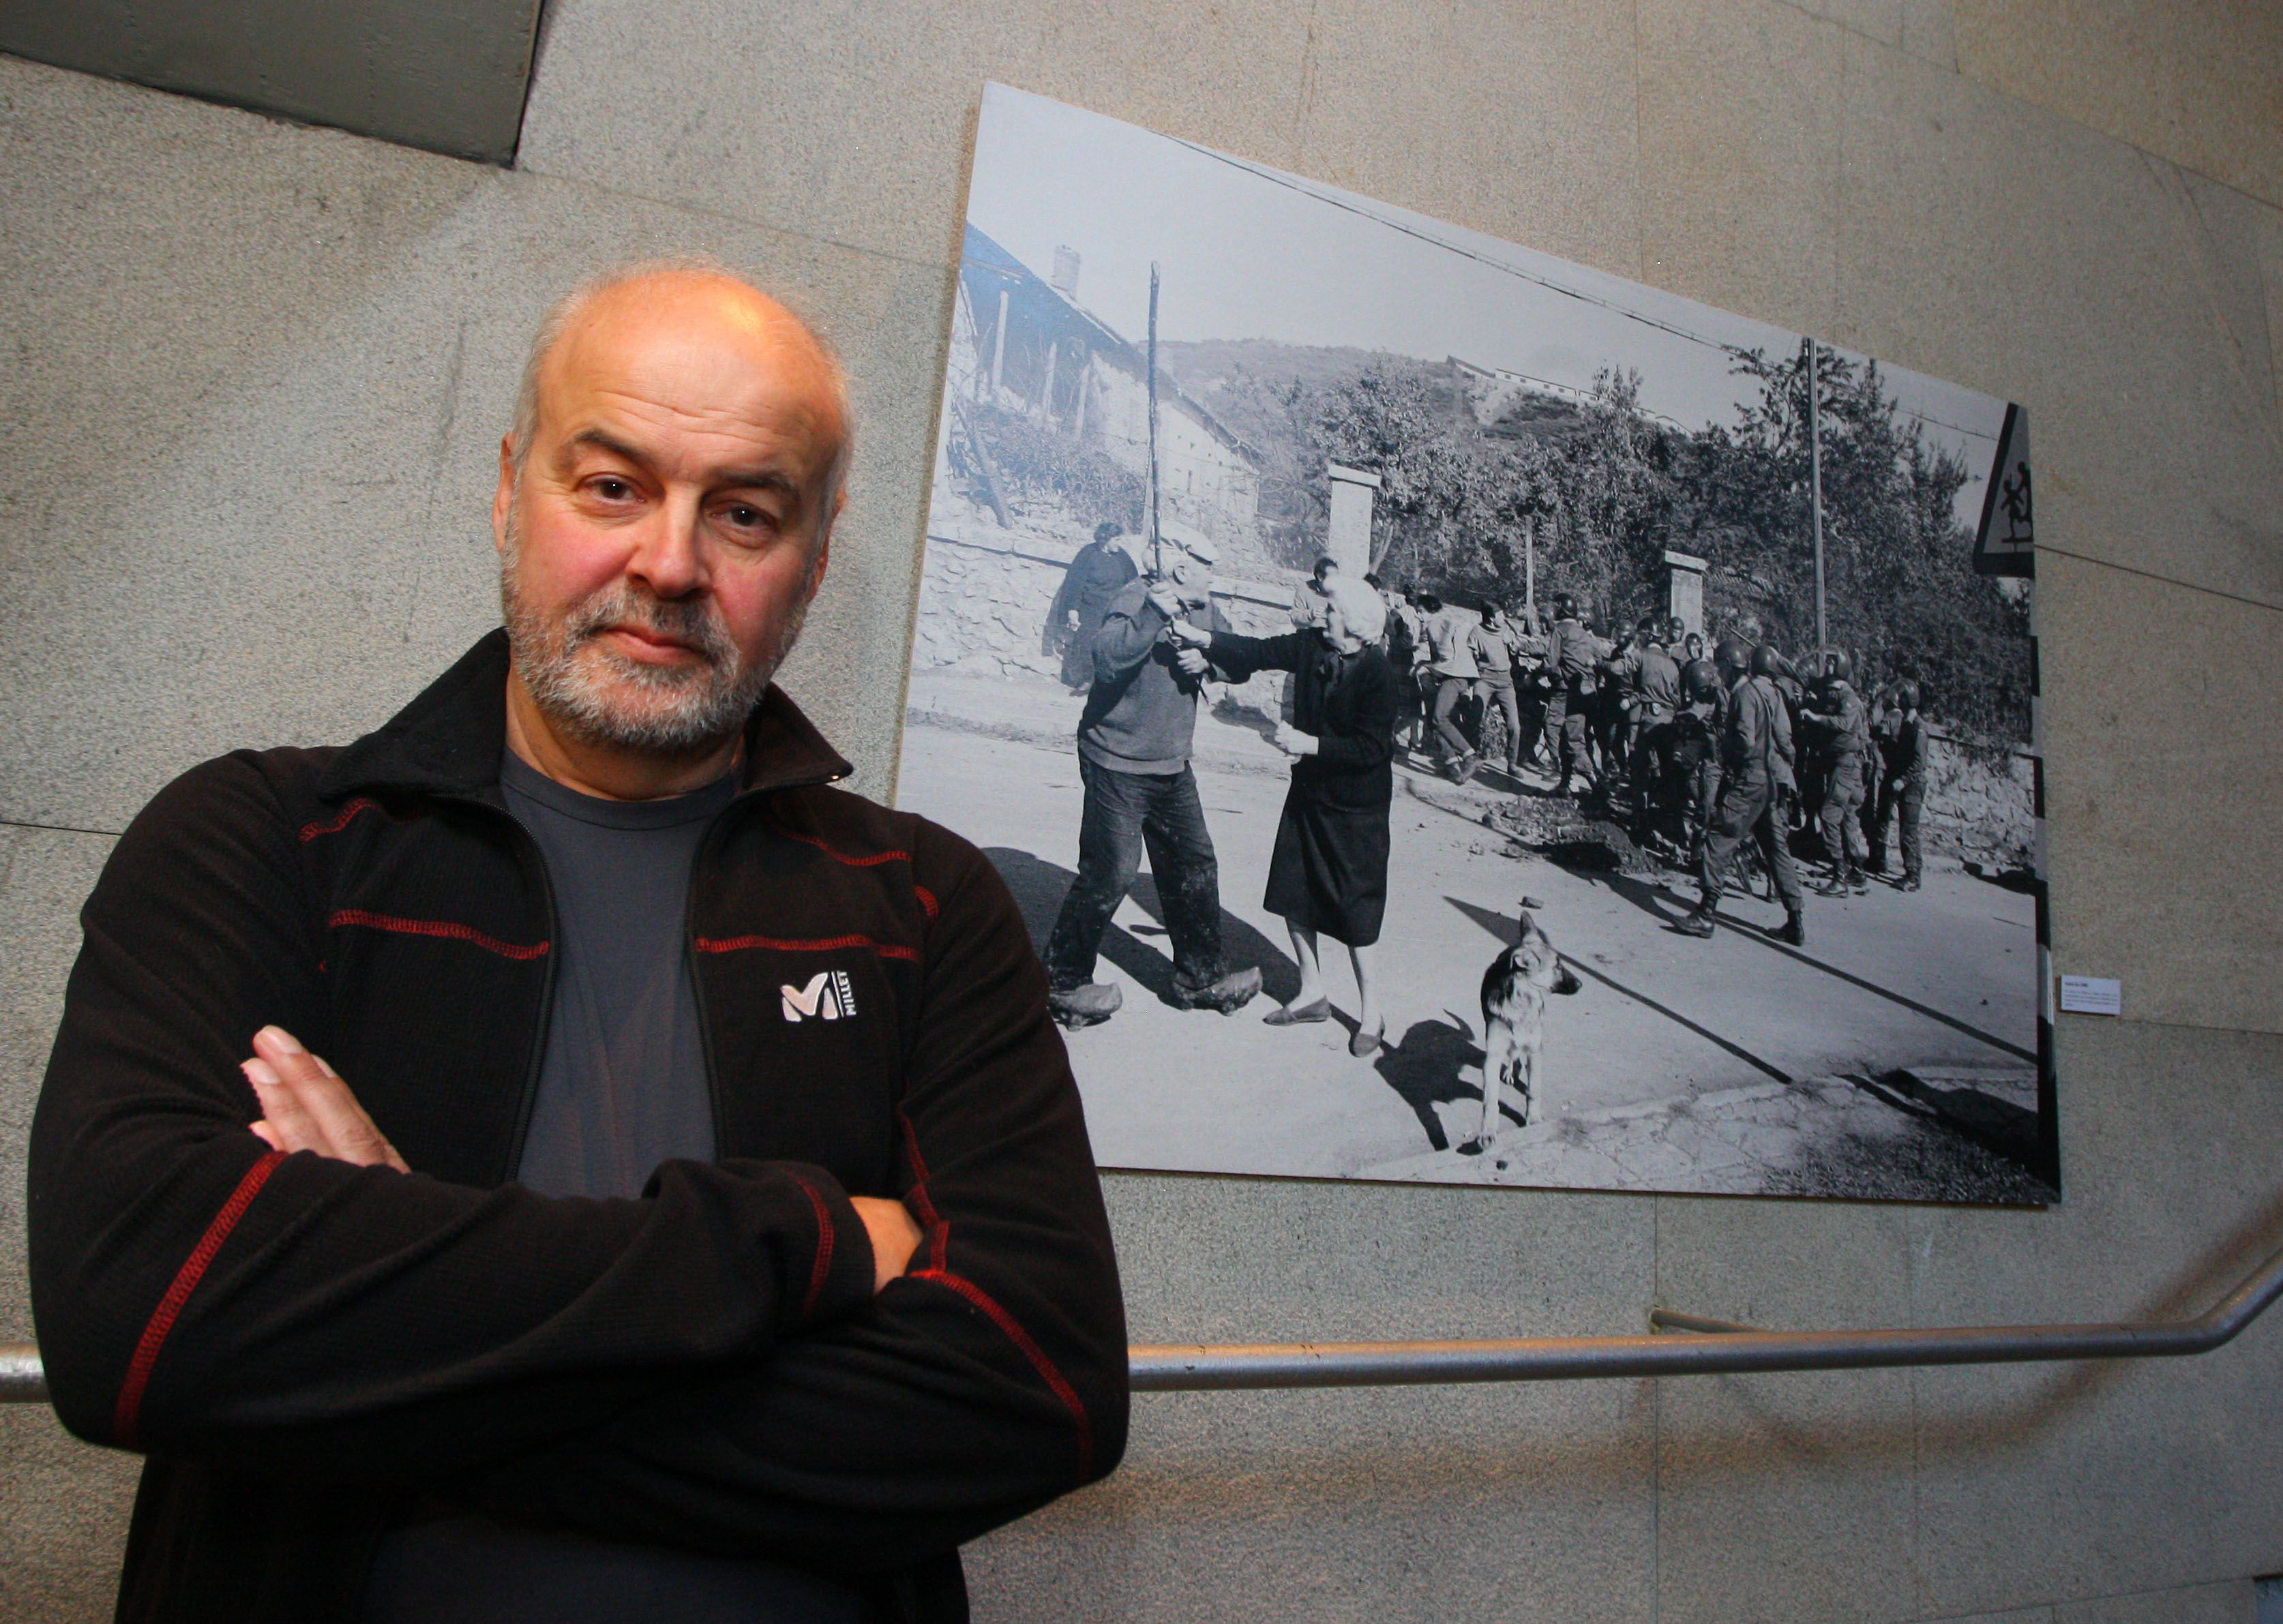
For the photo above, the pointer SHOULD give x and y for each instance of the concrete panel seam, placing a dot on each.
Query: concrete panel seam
(594, 188)
(2174, 179)
(1814, 15)
(59, 828)
(2189, 1026)
(2169, 580)
(1959, 72)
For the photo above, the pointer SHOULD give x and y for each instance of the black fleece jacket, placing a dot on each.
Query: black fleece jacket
(303, 1346)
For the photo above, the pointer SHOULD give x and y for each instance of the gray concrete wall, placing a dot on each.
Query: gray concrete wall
(251, 377)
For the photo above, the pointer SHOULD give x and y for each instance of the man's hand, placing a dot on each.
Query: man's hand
(305, 1105)
(1192, 663)
(1190, 635)
(895, 1237)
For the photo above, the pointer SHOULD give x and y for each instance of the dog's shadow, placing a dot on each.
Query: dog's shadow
(1039, 886)
(1425, 1069)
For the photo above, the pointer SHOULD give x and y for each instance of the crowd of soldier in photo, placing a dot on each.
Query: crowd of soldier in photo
(1712, 756)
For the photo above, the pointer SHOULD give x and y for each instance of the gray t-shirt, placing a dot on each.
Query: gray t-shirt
(621, 1088)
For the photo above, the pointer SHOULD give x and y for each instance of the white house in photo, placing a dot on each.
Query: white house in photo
(1023, 342)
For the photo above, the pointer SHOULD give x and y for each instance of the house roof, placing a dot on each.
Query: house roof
(1039, 301)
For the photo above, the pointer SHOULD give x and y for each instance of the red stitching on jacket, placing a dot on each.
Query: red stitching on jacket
(939, 1228)
(340, 821)
(435, 927)
(805, 945)
(821, 1270)
(928, 904)
(1007, 1325)
(939, 1241)
(1032, 1351)
(873, 861)
(130, 1411)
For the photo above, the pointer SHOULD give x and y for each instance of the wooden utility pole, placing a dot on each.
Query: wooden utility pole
(1815, 481)
(1529, 570)
(1156, 543)
(999, 348)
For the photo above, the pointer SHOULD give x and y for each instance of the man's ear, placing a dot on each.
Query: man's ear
(824, 543)
(504, 493)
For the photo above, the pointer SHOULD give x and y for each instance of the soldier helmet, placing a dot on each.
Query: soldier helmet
(1699, 679)
(1565, 607)
(1836, 665)
(1906, 696)
(1647, 627)
(1766, 662)
(1675, 629)
(1732, 655)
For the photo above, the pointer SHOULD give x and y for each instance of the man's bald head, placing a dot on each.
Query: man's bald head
(665, 509)
(694, 295)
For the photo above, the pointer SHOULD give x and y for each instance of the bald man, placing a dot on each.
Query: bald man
(557, 1158)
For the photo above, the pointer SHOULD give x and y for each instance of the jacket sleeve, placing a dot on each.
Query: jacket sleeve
(198, 1293)
(987, 1380)
(1126, 638)
(1240, 657)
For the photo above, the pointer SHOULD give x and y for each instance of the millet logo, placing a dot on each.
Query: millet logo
(827, 996)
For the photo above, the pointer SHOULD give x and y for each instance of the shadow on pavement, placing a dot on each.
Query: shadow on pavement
(1503, 929)
(1039, 886)
(1664, 904)
(1252, 718)
(2022, 881)
(1424, 1069)
(1996, 1124)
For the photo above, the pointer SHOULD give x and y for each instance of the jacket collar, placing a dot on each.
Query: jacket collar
(448, 741)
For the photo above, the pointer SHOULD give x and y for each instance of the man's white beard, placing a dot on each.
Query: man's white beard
(598, 695)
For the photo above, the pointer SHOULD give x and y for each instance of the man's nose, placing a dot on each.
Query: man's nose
(671, 558)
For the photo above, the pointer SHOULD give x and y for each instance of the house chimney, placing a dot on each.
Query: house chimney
(1065, 277)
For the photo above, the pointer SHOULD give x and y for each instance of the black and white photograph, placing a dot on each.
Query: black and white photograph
(1450, 714)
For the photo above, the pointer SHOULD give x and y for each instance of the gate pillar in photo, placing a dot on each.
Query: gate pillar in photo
(1684, 589)
(1348, 542)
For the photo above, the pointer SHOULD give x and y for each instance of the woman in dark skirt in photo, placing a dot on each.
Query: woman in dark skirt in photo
(1329, 876)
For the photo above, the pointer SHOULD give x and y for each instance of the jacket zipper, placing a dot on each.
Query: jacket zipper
(696, 983)
(528, 847)
(697, 866)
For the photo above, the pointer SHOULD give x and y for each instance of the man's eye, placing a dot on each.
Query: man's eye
(612, 489)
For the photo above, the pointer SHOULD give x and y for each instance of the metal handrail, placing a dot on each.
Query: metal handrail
(1721, 1347)
(22, 1381)
(1724, 1348)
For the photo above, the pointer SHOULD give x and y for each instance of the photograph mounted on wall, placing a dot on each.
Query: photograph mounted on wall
(1452, 715)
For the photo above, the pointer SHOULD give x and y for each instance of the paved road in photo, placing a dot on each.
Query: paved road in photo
(1942, 983)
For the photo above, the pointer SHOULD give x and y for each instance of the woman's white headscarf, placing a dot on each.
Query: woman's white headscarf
(1360, 605)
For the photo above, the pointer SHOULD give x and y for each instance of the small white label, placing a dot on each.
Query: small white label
(2091, 995)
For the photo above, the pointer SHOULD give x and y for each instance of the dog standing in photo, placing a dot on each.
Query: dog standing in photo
(1515, 990)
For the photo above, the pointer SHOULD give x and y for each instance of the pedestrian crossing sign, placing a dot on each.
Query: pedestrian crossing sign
(2005, 543)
